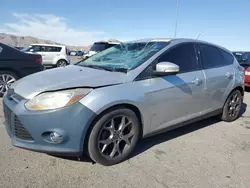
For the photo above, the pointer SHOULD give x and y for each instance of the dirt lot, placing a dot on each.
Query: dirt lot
(205, 154)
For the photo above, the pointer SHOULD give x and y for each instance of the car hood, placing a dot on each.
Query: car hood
(71, 76)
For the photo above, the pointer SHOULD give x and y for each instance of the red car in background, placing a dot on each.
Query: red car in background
(244, 60)
(247, 77)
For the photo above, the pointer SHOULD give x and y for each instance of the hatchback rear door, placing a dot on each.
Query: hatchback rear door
(220, 75)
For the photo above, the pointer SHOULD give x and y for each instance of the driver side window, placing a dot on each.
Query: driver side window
(184, 56)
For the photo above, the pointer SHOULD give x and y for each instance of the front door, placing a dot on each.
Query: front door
(177, 98)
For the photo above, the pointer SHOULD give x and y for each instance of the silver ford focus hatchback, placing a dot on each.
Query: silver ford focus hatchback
(102, 106)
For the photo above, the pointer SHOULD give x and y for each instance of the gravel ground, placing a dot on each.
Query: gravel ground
(205, 154)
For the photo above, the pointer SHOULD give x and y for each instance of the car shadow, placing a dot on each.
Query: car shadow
(149, 142)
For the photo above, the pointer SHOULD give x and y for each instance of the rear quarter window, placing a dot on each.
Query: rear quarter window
(53, 49)
(227, 56)
(212, 57)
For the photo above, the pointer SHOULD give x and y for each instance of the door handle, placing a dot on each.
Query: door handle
(229, 75)
(43, 54)
(196, 81)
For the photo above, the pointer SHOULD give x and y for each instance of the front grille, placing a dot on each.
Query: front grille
(20, 131)
(7, 116)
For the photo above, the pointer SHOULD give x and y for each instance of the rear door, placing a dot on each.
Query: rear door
(219, 72)
(51, 52)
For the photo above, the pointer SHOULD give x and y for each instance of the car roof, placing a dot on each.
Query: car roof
(108, 42)
(55, 45)
(178, 40)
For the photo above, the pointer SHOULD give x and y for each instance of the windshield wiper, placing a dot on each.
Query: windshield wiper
(98, 67)
(125, 70)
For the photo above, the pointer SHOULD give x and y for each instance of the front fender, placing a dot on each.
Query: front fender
(103, 98)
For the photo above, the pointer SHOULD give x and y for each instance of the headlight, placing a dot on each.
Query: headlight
(57, 99)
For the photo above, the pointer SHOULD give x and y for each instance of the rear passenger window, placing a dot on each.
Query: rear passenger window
(53, 49)
(184, 56)
(212, 57)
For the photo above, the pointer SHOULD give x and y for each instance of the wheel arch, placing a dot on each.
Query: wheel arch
(11, 70)
(62, 60)
(132, 107)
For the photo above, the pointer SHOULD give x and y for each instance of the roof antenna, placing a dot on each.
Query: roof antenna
(198, 36)
(176, 21)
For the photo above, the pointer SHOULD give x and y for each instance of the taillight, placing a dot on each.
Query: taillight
(39, 60)
(67, 51)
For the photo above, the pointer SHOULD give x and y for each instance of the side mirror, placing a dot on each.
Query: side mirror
(31, 50)
(166, 68)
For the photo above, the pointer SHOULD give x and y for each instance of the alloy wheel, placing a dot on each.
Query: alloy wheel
(116, 137)
(5, 82)
(234, 105)
(61, 63)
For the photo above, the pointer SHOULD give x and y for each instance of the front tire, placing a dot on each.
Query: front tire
(232, 107)
(114, 136)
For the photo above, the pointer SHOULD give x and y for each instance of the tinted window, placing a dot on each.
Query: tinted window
(184, 56)
(1, 49)
(110, 45)
(227, 57)
(52, 49)
(212, 57)
(36, 49)
(98, 47)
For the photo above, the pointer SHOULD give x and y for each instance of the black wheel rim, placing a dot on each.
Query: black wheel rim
(116, 137)
(61, 64)
(5, 82)
(234, 105)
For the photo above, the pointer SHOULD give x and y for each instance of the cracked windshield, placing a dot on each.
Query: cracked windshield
(124, 94)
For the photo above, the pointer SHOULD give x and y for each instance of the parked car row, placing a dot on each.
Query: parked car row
(77, 53)
(103, 105)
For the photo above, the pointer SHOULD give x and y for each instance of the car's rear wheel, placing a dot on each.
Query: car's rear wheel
(232, 107)
(61, 63)
(6, 79)
(114, 136)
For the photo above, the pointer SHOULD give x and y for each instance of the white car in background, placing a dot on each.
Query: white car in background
(99, 46)
(52, 55)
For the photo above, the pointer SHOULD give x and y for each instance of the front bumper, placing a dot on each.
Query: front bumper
(28, 129)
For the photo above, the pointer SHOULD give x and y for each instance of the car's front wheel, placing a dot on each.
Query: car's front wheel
(114, 136)
(232, 107)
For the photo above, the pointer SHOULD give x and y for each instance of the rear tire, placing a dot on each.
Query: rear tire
(232, 106)
(6, 79)
(61, 63)
(114, 136)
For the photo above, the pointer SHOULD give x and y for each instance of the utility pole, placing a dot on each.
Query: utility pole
(176, 21)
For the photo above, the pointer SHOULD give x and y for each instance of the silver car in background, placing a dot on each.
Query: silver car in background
(103, 105)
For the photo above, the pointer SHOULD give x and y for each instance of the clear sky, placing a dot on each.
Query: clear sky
(81, 22)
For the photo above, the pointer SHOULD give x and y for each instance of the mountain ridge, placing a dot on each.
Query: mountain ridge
(21, 41)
